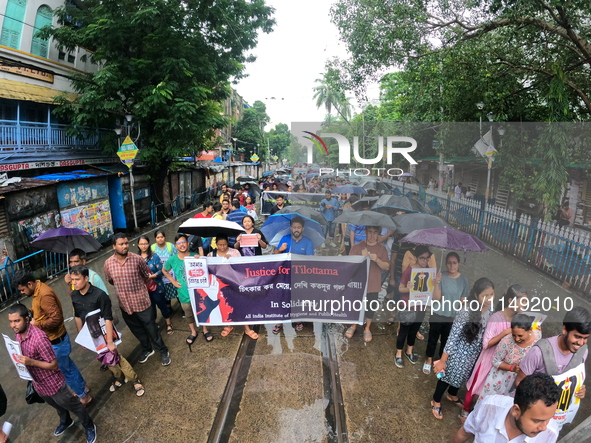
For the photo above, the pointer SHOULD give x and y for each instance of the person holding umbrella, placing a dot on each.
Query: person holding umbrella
(329, 205)
(378, 256)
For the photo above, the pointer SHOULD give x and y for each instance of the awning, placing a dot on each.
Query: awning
(24, 91)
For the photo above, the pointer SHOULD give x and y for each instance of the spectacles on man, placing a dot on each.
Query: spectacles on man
(182, 242)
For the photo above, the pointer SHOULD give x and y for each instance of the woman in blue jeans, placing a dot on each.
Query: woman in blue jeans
(157, 291)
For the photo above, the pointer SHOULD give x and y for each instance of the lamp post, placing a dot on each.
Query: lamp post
(119, 131)
(491, 117)
(230, 160)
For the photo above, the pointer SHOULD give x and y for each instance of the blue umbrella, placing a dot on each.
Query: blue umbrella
(312, 234)
(349, 189)
(279, 223)
(312, 174)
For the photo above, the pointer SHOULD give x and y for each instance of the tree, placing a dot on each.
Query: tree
(279, 140)
(249, 130)
(330, 94)
(166, 62)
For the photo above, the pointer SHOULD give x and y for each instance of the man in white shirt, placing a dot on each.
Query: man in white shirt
(527, 418)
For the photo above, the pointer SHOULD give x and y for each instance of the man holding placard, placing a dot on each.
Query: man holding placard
(563, 357)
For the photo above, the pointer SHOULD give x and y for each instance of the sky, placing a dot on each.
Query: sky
(289, 60)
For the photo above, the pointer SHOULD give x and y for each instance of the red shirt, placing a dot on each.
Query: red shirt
(200, 215)
(37, 346)
(129, 279)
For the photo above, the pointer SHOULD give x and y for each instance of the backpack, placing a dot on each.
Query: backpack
(550, 359)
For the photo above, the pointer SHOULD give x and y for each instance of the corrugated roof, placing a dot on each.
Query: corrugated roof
(25, 183)
(24, 91)
(73, 175)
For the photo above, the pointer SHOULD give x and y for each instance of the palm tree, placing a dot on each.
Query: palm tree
(325, 94)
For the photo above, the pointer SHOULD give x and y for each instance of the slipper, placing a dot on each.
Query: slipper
(115, 386)
(436, 410)
(420, 336)
(208, 336)
(390, 321)
(226, 331)
(350, 332)
(458, 402)
(169, 329)
(426, 369)
(299, 326)
(139, 388)
(464, 416)
(252, 334)
(191, 339)
(277, 329)
(367, 336)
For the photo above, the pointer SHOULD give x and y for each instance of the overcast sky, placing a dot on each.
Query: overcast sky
(291, 58)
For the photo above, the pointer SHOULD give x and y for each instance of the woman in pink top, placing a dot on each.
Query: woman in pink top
(499, 325)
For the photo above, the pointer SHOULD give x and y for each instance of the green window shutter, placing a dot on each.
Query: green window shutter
(13, 23)
(40, 46)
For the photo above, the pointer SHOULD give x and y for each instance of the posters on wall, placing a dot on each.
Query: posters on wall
(93, 217)
(283, 287)
(35, 226)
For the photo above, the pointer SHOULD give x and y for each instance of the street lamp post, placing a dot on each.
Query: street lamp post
(490, 117)
(119, 130)
(230, 161)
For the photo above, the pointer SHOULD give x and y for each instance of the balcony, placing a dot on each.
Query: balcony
(29, 141)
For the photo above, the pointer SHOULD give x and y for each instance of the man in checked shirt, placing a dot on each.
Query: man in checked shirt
(38, 356)
(129, 273)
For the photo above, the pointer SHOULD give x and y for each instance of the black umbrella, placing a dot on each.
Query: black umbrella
(210, 227)
(416, 221)
(367, 218)
(392, 204)
(304, 211)
(246, 178)
(365, 201)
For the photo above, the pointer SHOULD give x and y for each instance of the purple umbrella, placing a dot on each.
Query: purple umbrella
(63, 240)
(446, 238)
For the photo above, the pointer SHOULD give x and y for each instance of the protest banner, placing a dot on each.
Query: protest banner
(312, 200)
(93, 334)
(282, 287)
(329, 290)
(14, 350)
(536, 323)
(423, 284)
(568, 405)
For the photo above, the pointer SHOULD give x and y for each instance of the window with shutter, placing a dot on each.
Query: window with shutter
(40, 46)
(13, 23)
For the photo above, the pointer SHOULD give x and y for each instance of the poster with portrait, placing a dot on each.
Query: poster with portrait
(93, 334)
(14, 350)
(569, 382)
(423, 280)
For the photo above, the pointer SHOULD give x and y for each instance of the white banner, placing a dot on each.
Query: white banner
(196, 273)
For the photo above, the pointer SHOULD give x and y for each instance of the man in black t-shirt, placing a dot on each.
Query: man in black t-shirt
(87, 298)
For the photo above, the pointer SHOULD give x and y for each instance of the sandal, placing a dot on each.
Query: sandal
(115, 386)
(464, 416)
(191, 339)
(139, 388)
(390, 321)
(226, 331)
(208, 336)
(277, 329)
(436, 410)
(420, 336)
(367, 337)
(350, 332)
(458, 402)
(169, 329)
(426, 369)
(299, 326)
(252, 334)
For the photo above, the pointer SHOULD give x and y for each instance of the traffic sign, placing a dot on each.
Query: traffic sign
(127, 152)
(254, 158)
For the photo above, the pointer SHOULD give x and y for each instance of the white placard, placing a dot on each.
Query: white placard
(568, 405)
(423, 284)
(94, 332)
(14, 350)
(196, 273)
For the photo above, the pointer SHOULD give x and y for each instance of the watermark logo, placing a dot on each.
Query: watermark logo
(317, 141)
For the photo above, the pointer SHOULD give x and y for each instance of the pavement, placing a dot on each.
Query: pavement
(283, 395)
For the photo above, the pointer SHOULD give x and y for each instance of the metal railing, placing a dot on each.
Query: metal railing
(55, 264)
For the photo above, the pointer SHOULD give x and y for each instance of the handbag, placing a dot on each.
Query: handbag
(32, 396)
(151, 285)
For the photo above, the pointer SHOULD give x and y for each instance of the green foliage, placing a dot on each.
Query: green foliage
(279, 140)
(249, 131)
(166, 62)
(330, 93)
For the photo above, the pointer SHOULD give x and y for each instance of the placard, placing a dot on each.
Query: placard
(93, 334)
(196, 273)
(14, 350)
(249, 240)
(423, 284)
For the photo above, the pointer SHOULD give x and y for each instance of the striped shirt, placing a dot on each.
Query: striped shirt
(37, 346)
(129, 279)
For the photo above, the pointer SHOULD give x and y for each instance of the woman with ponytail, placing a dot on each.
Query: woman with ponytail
(463, 345)
(498, 326)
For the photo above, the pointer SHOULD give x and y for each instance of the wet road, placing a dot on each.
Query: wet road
(308, 386)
